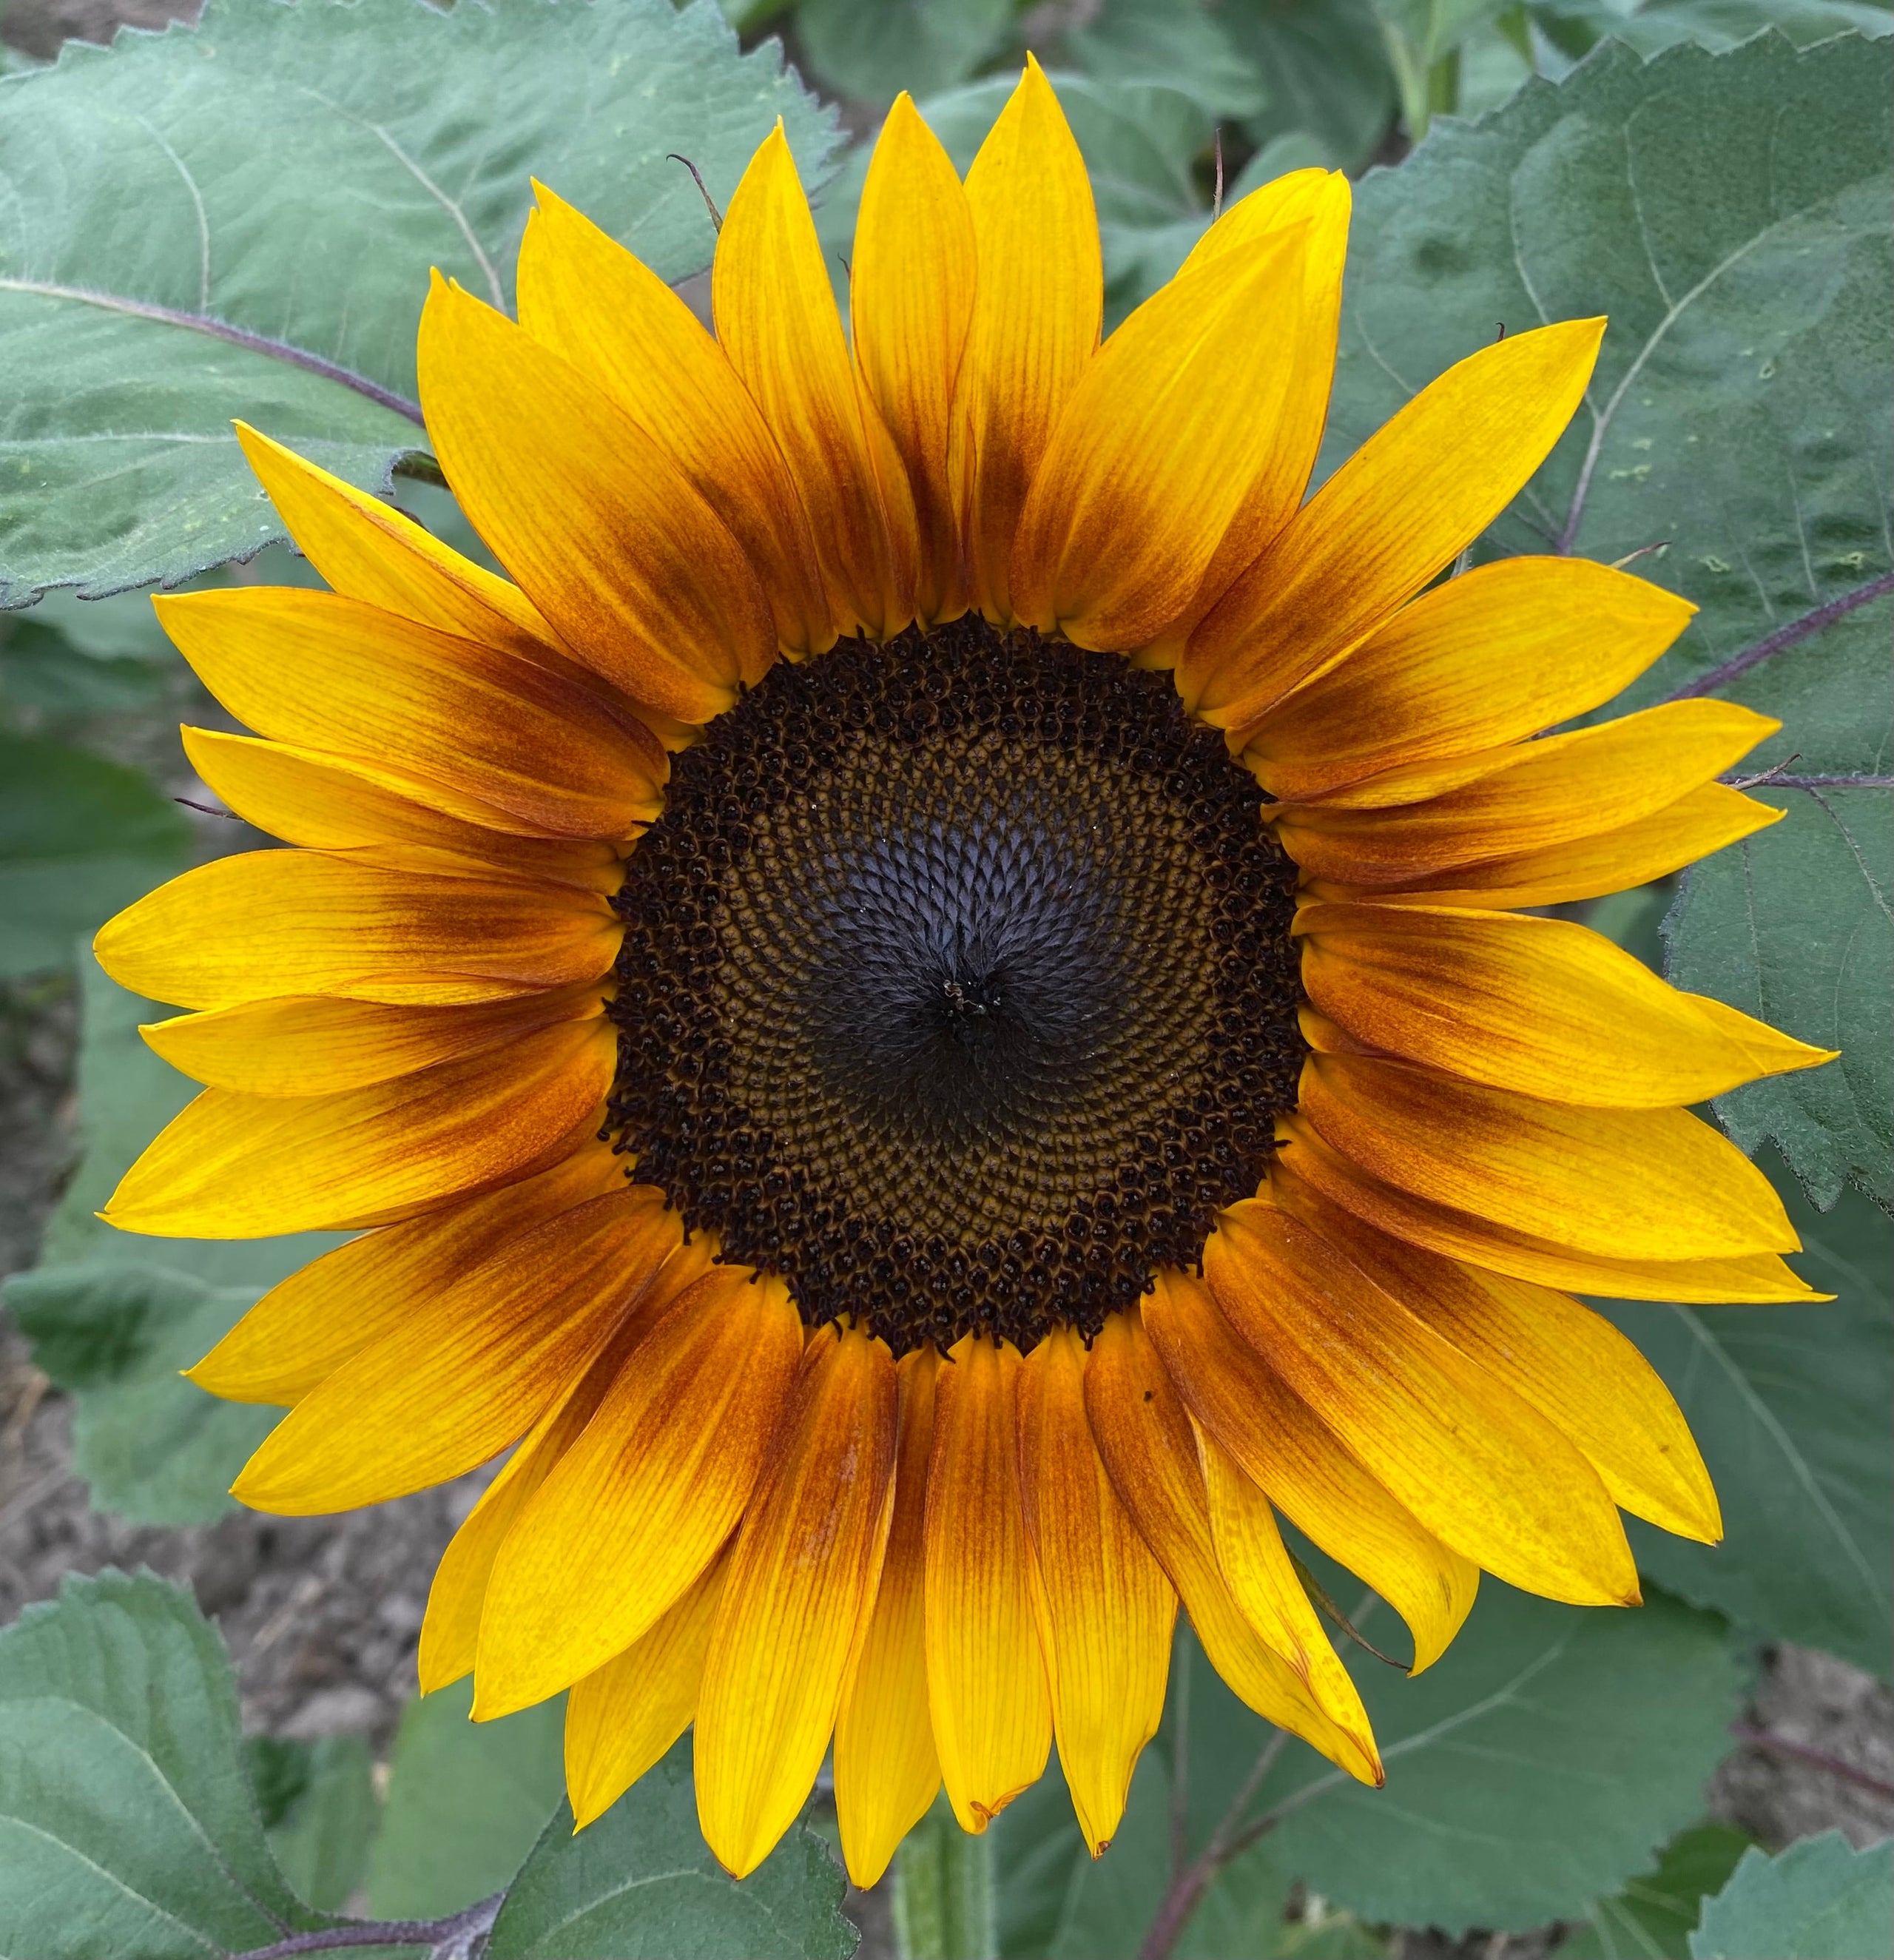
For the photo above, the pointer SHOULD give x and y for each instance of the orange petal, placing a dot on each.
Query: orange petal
(1105, 1609)
(801, 1585)
(1541, 793)
(987, 1689)
(589, 300)
(1572, 1364)
(326, 804)
(1758, 1276)
(1256, 1566)
(886, 1772)
(1507, 651)
(305, 1328)
(466, 1372)
(911, 300)
(232, 1166)
(268, 924)
(1587, 868)
(624, 1716)
(1657, 1184)
(1145, 1439)
(1414, 495)
(776, 318)
(315, 1046)
(640, 1504)
(494, 739)
(372, 551)
(1147, 466)
(641, 577)
(450, 1629)
(1541, 1006)
(1036, 311)
(1479, 1467)
(1284, 1447)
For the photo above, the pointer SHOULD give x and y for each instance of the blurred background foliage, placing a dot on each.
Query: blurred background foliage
(1712, 173)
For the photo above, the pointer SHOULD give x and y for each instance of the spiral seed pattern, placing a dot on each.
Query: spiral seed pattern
(957, 984)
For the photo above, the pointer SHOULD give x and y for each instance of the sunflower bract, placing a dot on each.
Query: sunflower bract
(928, 1007)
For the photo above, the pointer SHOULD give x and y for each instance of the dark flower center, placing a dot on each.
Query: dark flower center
(957, 984)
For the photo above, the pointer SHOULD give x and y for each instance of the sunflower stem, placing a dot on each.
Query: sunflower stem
(944, 1893)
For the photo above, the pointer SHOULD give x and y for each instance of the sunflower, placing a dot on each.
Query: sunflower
(938, 1016)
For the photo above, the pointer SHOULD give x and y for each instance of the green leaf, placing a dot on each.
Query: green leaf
(1187, 48)
(1816, 1901)
(1794, 924)
(1790, 1406)
(1717, 24)
(80, 838)
(1651, 1919)
(641, 1884)
(238, 220)
(872, 50)
(1533, 1768)
(466, 1801)
(319, 1812)
(153, 1447)
(128, 1828)
(126, 1095)
(1748, 291)
(1327, 68)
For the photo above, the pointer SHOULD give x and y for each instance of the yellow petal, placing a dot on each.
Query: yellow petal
(494, 739)
(1541, 1006)
(987, 1690)
(1587, 868)
(316, 1046)
(1317, 201)
(1283, 1446)
(624, 1716)
(776, 318)
(1104, 1606)
(270, 923)
(1754, 1278)
(1145, 1440)
(1255, 1564)
(589, 300)
(1478, 1465)
(1412, 496)
(641, 577)
(1551, 792)
(1572, 1364)
(1505, 651)
(370, 551)
(911, 300)
(1148, 466)
(640, 1504)
(886, 1772)
(306, 1327)
(450, 1629)
(1628, 1184)
(232, 1166)
(1036, 311)
(801, 1585)
(467, 1371)
(326, 804)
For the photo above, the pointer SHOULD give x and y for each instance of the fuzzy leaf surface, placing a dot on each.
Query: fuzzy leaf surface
(128, 1830)
(641, 1884)
(238, 219)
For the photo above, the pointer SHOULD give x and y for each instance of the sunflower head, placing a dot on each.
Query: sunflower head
(939, 1011)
